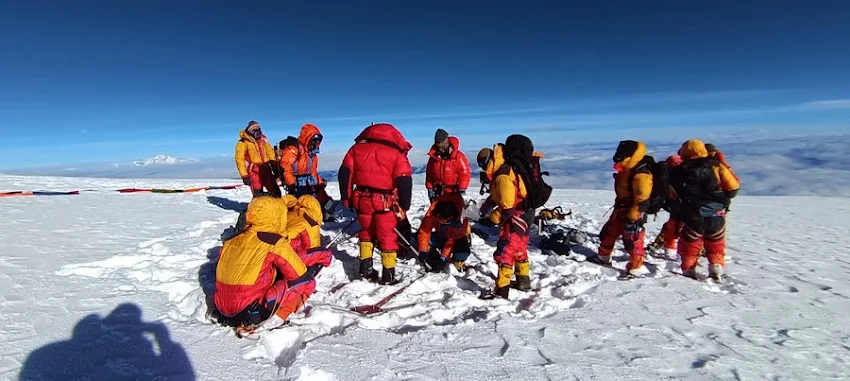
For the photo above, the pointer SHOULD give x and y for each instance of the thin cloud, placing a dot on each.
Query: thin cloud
(828, 104)
(801, 165)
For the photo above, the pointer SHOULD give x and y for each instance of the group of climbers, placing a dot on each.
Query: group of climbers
(269, 268)
(696, 188)
(292, 164)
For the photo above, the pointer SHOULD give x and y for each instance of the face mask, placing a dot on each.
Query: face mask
(314, 144)
(256, 134)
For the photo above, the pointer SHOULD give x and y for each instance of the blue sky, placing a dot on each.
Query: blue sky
(97, 81)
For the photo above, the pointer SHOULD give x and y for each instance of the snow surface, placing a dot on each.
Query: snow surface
(115, 284)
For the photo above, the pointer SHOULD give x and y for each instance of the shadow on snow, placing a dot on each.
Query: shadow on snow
(119, 346)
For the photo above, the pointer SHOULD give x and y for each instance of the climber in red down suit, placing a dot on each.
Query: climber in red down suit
(375, 179)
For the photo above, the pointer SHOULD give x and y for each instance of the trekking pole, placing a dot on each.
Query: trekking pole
(409, 246)
(338, 236)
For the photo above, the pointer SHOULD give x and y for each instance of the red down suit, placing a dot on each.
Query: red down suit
(375, 179)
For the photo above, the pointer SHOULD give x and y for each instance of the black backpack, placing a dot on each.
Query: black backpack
(696, 183)
(658, 197)
(289, 141)
(519, 155)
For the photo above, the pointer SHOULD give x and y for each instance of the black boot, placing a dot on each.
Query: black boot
(388, 276)
(366, 270)
(523, 283)
(314, 270)
(498, 292)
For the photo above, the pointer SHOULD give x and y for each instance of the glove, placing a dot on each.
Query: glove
(246, 181)
(423, 257)
(432, 194)
(486, 208)
(462, 192)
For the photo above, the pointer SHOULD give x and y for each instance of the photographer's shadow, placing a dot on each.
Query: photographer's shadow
(119, 346)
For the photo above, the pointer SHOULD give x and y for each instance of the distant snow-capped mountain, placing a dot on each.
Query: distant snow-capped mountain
(157, 160)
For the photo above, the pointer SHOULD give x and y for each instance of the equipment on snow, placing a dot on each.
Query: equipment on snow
(519, 155)
(556, 213)
(341, 233)
(371, 309)
(545, 215)
(560, 242)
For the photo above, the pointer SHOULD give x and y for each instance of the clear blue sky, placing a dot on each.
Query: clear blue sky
(88, 81)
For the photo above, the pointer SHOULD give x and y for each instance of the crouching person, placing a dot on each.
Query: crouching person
(444, 234)
(258, 273)
(304, 224)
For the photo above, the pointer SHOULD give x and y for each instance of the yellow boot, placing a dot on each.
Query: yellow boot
(523, 279)
(388, 260)
(366, 270)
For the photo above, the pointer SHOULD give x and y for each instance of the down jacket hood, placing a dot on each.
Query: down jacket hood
(387, 133)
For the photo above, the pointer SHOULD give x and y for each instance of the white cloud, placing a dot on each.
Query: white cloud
(829, 104)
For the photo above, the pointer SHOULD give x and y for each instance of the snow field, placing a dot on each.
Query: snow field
(779, 318)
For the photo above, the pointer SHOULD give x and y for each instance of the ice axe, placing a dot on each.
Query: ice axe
(376, 308)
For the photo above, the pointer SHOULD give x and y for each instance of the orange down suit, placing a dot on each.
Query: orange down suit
(258, 267)
(703, 212)
(442, 235)
(299, 166)
(632, 188)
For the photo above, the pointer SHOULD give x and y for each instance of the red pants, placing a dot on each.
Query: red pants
(260, 176)
(698, 231)
(377, 220)
(670, 232)
(283, 299)
(514, 235)
(633, 235)
(512, 247)
(316, 256)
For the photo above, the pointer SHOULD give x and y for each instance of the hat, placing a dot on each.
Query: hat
(251, 124)
(440, 136)
(446, 210)
(625, 149)
(484, 157)
(710, 147)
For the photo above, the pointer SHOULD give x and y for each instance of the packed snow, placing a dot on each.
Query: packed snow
(112, 285)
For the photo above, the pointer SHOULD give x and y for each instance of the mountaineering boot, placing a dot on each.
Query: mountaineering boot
(604, 260)
(523, 281)
(672, 254)
(715, 272)
(498, 292)
(366, 270)
(690, 273)
(388, 276)
(460, 266)
(314, 270)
